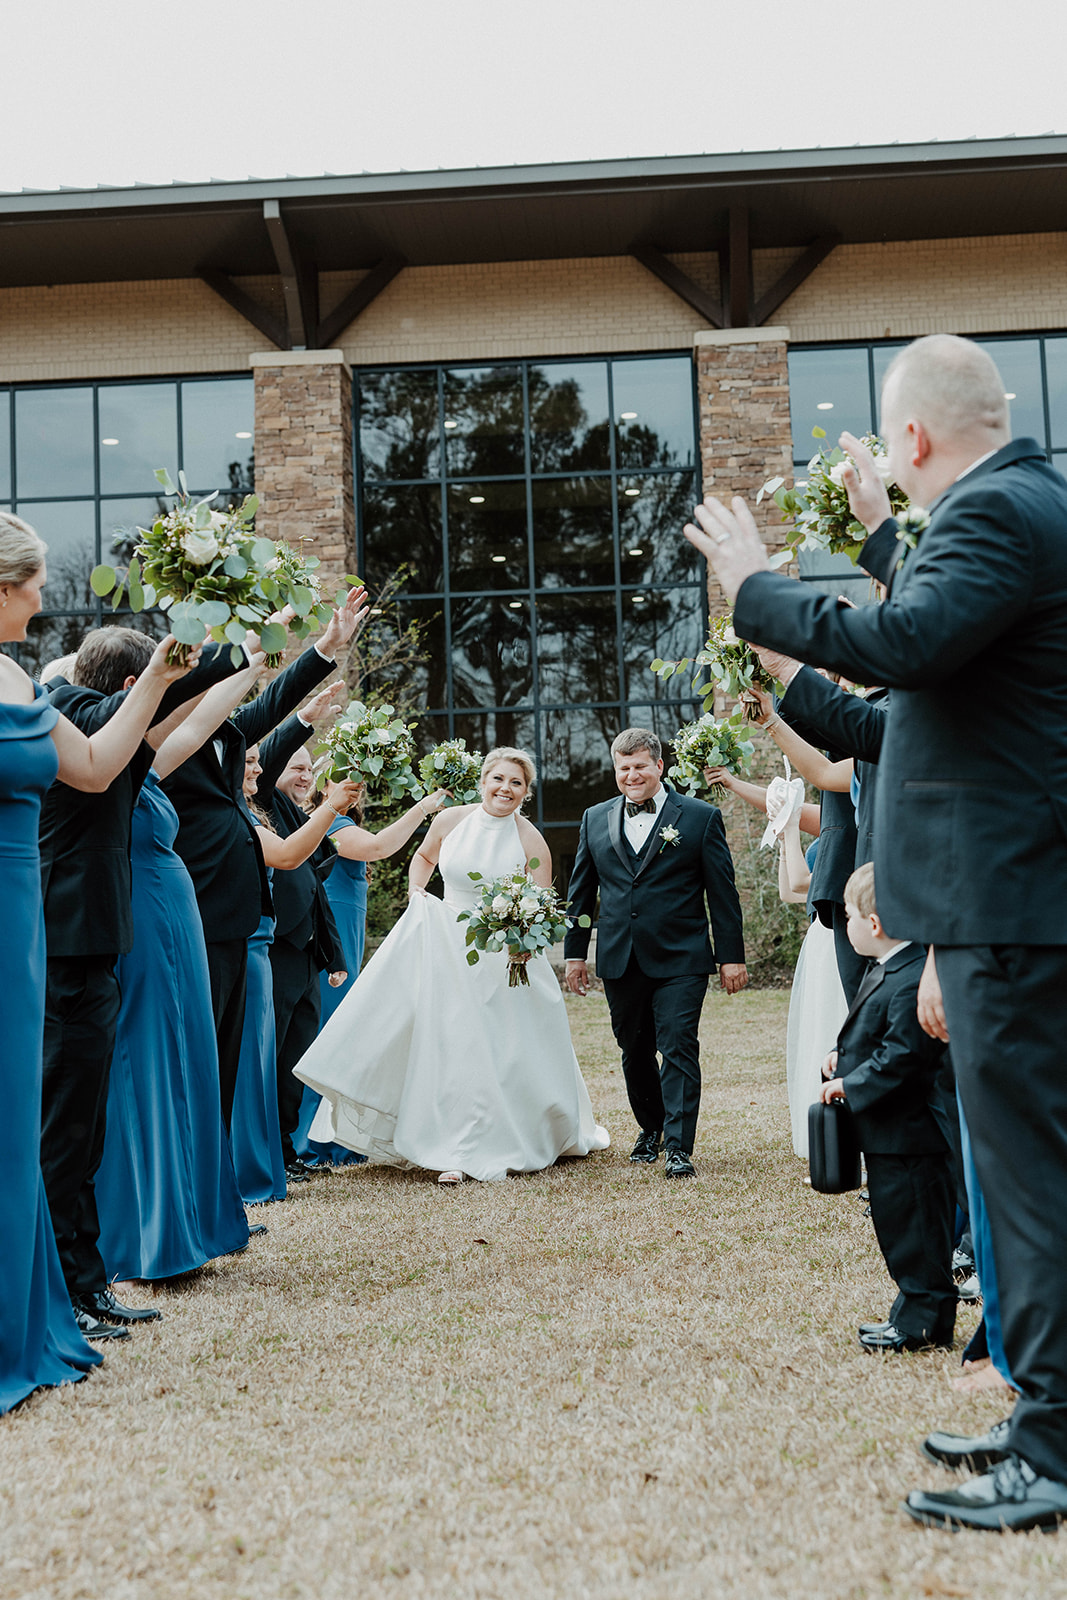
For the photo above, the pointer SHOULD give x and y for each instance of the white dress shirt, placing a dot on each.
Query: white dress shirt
(903, 945)
(638, 827)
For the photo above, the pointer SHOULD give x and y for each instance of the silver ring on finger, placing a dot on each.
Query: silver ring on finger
(721, 538)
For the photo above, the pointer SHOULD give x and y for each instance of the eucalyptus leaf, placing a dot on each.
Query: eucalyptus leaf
(235, 632)
(165, 481)
(103, 579)
(213, 613)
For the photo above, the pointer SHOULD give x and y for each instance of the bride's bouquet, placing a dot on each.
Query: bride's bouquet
(516, 915)
(203, 568)
(707, 743)
(450, 765)
(819, 505)
(371, 745)
(732, 666)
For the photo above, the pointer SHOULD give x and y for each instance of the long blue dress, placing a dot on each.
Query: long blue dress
(346, 889)
(254, 1131)
(39, 1340)
(166, 1192)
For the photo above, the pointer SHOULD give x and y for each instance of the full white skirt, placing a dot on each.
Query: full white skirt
(817, 1009)
(430, 1062)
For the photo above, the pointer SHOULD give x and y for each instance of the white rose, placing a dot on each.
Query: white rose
(200, 546)
(501, 904)
(835, 473)
(883, 469)
(528, 906)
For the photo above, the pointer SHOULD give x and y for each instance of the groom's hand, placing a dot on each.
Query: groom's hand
(733, 976)
(577, 977)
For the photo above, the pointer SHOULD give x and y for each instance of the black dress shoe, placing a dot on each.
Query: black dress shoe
(874, 1327)
(676, 1163)
(969, 1290)
(977, 1450)
(103, 1304)
(1009, 1498)
(93, 1327)
(891, 1338)
(256, 1228)
(297, 1173)
(648, 1146)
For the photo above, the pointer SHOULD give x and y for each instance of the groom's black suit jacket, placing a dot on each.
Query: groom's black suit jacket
(654, 904)
(971, 809)
(890, 1065)
(217, 837)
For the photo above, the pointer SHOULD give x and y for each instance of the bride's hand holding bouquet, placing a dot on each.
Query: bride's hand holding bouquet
(518, 916)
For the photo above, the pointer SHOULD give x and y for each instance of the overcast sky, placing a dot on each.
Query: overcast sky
(123, 91)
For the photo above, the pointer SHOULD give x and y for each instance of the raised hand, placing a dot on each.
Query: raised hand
(434, 802)
(782, 668)
(729, 541)
(171, 671)
(340, 796)
(329, 702)
(720, 776)
(868, 496)
(345, 622)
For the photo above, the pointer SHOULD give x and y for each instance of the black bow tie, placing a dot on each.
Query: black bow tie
(634, 806)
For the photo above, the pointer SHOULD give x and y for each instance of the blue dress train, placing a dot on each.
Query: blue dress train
(39, 1340)
(166, 1192)
(346, 889)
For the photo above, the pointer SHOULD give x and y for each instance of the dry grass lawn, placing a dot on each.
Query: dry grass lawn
(584, 1383)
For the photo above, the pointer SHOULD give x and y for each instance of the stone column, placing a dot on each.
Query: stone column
(304, 456)
(745, 438)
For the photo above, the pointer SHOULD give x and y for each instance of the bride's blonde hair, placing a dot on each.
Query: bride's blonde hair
(505, 752)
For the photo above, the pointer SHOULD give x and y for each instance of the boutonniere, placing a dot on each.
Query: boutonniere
(910, 525)
(669, 836)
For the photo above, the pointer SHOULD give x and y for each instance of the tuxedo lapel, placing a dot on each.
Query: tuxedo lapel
(668, 812)
(615, 816)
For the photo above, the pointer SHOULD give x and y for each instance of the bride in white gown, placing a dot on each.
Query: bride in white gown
(430, 1062)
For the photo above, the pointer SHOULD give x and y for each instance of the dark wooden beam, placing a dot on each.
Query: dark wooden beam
(299, 281)
(793, 277)
(679, 283)
(357, 300)
(739, 256)
(270, 326)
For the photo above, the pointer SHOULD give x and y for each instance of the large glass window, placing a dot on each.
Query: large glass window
(77, 462)
(538, 506)
(837, 388)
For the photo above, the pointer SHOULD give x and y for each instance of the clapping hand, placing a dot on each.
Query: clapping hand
(730, 542)
(329, 702)
(345, 622)
(868, 497)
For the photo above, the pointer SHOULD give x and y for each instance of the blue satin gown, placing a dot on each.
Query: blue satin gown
(346, 889)
(166, 1192)
(39, 1340)
(254, 1132)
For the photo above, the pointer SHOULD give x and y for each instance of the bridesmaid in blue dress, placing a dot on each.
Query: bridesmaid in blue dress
(166, 1192)
(346, 889)
(40, 1344)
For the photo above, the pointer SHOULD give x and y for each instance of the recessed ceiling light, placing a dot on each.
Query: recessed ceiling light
(628, 416)
(477, 499)
(109, 441)
(451, 423)
(375, 611)
(498, 559)
(636, 552)
(632, 492)
(242, 436)
(1009, 397)
(638, 599)
(825, 405)
(515, 605)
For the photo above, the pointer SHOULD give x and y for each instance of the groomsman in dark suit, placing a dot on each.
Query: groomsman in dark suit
(85, 876)
(306, 941)
(970, 831)
(217, 838)
(659, 862)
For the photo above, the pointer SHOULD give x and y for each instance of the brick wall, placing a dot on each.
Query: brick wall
(585, 306)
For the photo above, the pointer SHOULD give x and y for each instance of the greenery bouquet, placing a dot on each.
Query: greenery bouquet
(291, 579)
(370, 745)
(452, 766)
(819, 504)
(732, 666)
(203, 568)
(707, 743)
(516, 915)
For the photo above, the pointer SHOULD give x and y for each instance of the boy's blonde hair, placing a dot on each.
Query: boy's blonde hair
(859, 890)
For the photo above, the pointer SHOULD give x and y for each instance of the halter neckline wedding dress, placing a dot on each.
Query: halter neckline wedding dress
(430, 1062)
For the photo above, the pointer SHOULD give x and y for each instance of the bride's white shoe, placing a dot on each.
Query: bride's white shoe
(450, 1177)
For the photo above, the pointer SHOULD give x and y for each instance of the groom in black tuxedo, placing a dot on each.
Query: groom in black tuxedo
(655, 857)
(970, 830)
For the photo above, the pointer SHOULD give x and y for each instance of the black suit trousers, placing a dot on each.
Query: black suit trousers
(660, 1014)
(82, 1002)
(1006, 1008)
(913, 1208)
(297, 1010)
(227, 962)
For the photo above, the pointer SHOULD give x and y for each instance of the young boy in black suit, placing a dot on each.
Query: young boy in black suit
(885, 1069)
